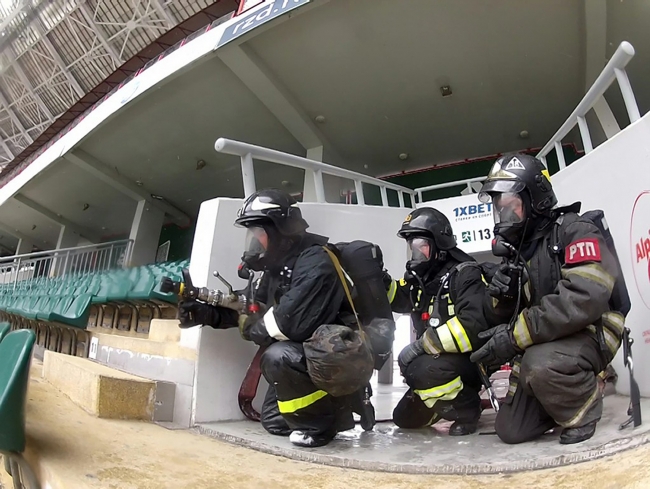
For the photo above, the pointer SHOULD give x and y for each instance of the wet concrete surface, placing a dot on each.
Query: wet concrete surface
(391, 449)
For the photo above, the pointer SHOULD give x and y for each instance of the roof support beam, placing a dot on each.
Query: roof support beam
(58, 60)
(122, 184)
(88, 15)
(258, 77)
(15, 119)
(28, 86)
(164, 13)
(7, 149)
(62, 221)
(12, 15)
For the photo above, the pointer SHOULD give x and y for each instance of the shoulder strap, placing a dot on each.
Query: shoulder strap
(339, 270)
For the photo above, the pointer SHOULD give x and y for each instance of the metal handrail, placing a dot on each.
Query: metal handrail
(248, 152)
(614, 70)
(468, 182)
(37, 254)
(20, 270)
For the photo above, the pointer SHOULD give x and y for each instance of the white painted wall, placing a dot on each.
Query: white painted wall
(223, 356)
(611, 178)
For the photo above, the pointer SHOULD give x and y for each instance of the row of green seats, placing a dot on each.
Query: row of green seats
(68, 299)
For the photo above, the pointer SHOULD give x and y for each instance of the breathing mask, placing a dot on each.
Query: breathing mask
(423, 256)
(256, 248)
(510, 216)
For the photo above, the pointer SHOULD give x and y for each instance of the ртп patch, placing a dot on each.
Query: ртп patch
(587, 249)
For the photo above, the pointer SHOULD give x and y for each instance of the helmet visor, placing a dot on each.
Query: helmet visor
(257, 241)
(498, 187)
(508, 208)
(420, 249)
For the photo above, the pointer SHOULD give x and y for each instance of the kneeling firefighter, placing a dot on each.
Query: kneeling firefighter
(442, 289)
(554, 304)
(300, 290)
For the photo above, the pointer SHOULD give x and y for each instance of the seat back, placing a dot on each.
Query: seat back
(4, 329)
(15, 360)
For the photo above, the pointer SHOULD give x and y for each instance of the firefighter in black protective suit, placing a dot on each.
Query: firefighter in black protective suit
(551, 328)
(443, 290)
(299, 291)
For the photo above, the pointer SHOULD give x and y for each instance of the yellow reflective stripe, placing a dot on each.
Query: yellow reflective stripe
(483, 279)
(428, 343)
(302, 402)
(392, 291)
(460, 335)
(582, 411)
(615, 321)
(402, 282)
(445, 392)
(521, 333)
(446, 339)
(593, 272)
(451, 310)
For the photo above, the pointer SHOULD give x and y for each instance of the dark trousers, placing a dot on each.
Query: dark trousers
(293, 402)
(428, 372)
(556, 385)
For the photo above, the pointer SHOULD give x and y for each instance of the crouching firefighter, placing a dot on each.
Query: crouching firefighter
(566, 326)
(442, 289)
(299, 291)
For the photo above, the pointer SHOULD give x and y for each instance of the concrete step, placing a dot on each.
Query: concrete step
(99, 390)
(168, 355)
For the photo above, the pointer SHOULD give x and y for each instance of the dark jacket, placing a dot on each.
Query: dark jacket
(460, 309)
(568, 290)
(305, 294)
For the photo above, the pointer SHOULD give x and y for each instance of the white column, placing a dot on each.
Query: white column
(145, 233)
(67, 239)
(24, 247)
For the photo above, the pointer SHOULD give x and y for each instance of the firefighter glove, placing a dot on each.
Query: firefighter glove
(192, 313)
(499, 349)
(408, 354)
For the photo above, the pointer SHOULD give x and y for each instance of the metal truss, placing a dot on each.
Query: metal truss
(54, 52)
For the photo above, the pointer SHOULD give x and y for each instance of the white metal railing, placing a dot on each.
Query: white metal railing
(468, 182)
(614, 70)
(248, 152)
(20, 269)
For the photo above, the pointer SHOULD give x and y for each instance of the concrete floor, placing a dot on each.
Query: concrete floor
(70, 449)
(390, 449)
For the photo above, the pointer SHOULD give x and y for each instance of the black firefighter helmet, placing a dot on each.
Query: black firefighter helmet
(519, 187)
(274, 223)
(430, 237)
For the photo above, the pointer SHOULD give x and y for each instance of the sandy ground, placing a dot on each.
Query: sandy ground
(77, 450)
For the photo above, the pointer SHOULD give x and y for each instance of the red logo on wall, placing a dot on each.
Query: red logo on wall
(640, 243)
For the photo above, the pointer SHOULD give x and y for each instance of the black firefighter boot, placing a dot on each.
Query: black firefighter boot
(464, 411)
(360, 403)
(579, 434)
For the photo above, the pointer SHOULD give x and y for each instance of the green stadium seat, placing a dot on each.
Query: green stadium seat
(4, 329)
(75, 313)
(15, 359)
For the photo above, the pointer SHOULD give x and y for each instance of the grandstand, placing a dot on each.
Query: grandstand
(130, 132)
